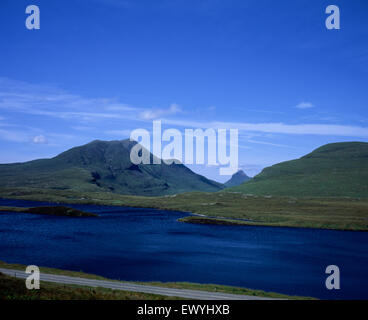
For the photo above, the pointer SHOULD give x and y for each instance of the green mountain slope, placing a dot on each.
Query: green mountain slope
(237, 179)
(104, 166)
(337, 169)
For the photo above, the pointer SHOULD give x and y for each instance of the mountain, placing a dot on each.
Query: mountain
(102, 166)
(337, 169)
(237, 179)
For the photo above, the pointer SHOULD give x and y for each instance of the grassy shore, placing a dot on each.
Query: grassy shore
(49, 210)
(16, 290)
(216, 221)
(307, 212)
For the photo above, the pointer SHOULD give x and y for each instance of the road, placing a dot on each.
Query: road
(117, 285)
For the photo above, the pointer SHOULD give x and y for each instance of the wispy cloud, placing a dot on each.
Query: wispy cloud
(29, 135)
(157, 113)
(26, 98)
(114, 3)
(42, 100)
(305, 105)
(282, 128)
(47, 101)
(119, 133)
(13, 136)
(269, 143)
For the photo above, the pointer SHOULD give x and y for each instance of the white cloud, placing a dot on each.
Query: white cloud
(40, 139)
(305, 105)
(154, 114)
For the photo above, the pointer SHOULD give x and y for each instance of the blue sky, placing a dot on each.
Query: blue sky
(98, 69)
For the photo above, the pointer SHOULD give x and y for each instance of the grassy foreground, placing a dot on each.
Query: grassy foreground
(11, 288)
(309, 212)
(14, 289)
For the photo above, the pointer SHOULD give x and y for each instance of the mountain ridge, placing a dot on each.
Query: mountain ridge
(104, 166)
(335, 169)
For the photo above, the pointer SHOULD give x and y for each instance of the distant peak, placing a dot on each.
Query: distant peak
(240, 173)
(237, 178)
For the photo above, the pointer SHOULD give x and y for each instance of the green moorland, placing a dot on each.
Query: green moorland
(49, 210)
(11, 288)
(333, 170)
(310, 212)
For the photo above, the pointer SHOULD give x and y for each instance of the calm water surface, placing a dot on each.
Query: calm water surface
(145, 244)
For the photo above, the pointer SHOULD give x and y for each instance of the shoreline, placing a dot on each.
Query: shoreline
(60, 211)
(195, 219)
(344, 214)
(172, 285)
